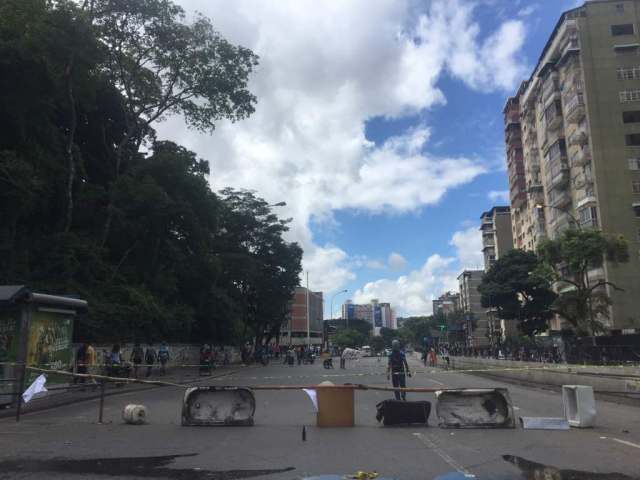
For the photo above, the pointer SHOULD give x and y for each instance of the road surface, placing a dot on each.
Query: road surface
(67, 442)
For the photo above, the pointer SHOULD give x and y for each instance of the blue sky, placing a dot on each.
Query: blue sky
(380, 124)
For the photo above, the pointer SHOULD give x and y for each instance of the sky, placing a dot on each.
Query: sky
(379, 123)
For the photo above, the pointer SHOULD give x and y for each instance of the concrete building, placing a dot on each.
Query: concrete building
(474, 313)
(295, 331)
(572, 135)
(378, 314)
(446, 303)
(497, 238)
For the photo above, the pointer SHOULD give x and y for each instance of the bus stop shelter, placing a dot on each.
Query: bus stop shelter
(36, 329)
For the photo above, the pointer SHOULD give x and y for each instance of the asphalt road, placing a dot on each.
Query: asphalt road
(67, 442)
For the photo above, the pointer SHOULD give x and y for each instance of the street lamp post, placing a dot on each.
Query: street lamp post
(334, 296)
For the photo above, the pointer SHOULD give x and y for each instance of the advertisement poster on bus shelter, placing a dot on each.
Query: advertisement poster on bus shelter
(49, 342)
(9, 335)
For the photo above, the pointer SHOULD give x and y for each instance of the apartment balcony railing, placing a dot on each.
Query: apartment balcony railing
(561, 200)
(550, 87)
(559, 179)
(582, 180)
(581, 157)
(578, 137)
(574, 108)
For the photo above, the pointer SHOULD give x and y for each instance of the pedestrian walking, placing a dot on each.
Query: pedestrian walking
(343, 358)
(81, 363)
(163, 357)
(398, 369)
(150, 358)
(137, 354)
(91, 360)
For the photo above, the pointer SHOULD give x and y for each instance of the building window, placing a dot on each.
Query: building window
(628, 73)
(629, 96)
(638, 235)
(631, 116)
(619, 7)
(588, 216)
(634, 163)
(622, 29)
(635, 186)
(632, 140)
(636, 209)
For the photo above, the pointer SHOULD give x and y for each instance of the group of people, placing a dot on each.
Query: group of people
(210, 357)
(114, 363)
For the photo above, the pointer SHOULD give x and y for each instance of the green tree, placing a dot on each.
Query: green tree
(348, 337)
(414, 329)
(567, 261)
(163, 66)
(517, 292)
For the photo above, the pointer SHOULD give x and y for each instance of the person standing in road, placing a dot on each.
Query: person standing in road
(150, 358)
(81, 363)
(137, 354)
(398, 369)
(92, 360)
(163, 357)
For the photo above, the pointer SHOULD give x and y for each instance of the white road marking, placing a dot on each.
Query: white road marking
(625, 442)
(437, 382)
(443, 455)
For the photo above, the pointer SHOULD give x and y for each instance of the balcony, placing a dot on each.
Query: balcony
(572, 46)
(581, 157)
(550, 87)
(553, 116)
(574, 108)
(561, 199)
(582, 180)
(578, 137)
(559, 179)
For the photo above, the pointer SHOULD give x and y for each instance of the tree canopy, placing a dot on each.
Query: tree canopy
(513, 287)
(567, 263)
(93, 204)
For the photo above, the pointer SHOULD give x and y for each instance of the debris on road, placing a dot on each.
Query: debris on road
(134, 414)
(544, 423)
(399, 412)
(475, 408)
(579, 405)
(210, 406)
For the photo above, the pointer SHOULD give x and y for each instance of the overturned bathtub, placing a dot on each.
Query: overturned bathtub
(475, 408)
(218, 406)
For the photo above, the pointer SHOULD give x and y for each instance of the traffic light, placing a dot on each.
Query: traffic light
(443, 328)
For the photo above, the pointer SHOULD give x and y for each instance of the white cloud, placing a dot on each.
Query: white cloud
(396, 261)
(499, 195)
(326, 68)
(528, 10)
(468, 245)
(413, 293)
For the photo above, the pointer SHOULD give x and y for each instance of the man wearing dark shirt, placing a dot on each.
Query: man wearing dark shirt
(398, 369)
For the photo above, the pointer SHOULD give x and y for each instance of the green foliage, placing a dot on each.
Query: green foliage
(362, 326)
(513, 287)
(85, 211)
(414, 329)
(377, 344)
(566, 262)
(349, 337)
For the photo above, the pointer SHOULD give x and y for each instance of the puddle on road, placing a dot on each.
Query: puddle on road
(141, 467)
(535, 471)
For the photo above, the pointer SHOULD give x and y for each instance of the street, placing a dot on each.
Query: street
(67, 442)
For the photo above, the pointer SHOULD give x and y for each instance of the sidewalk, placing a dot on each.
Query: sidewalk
(89, 391)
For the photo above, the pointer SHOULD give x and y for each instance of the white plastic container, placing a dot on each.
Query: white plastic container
(579, 405)
(134, 414)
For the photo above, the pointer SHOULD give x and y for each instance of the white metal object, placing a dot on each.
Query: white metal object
(579, 405)
(134, 414)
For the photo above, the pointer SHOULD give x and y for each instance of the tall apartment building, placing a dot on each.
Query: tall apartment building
(378, 314)
(295, 330)
(572, 135)
(468, 281)
(446, 303)
(497, 238)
